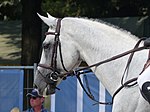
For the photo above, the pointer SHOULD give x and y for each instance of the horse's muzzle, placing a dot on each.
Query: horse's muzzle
(51, 90)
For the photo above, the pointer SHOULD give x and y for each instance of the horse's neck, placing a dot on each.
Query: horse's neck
(101, 43)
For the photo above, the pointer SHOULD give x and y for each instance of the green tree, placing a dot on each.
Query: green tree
(96, 8)
(10, 9)
(86, 8)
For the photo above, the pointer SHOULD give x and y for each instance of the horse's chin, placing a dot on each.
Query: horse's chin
(49, 91)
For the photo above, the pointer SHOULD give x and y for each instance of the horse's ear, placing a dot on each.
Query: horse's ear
(50, 17)
(50, 21)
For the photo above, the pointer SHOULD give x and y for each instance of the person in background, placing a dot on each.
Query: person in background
(15, 109)
(36, 102)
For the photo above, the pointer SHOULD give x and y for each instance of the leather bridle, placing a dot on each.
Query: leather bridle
(51, 79)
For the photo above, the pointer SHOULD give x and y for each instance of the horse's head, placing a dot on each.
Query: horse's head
(59, 55)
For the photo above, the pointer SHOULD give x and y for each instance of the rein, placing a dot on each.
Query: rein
(55, 72)
(123, 84)
(69, 73)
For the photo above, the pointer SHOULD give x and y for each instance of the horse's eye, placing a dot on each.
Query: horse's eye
(46, 46)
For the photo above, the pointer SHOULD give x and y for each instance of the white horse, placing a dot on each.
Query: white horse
(91, 41)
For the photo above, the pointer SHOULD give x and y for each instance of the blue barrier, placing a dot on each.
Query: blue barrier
(11, 89)
(72, 98)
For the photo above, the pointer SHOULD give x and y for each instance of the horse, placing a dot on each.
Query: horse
(71, 40)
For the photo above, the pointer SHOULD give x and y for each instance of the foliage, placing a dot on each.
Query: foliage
(97, 8)
(10, 9)
(134, 7)
(76, 7)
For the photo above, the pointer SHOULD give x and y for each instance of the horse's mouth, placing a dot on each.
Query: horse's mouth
(49, 90)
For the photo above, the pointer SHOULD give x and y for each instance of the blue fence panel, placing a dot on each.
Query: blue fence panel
(72, 98)
(11, 89)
